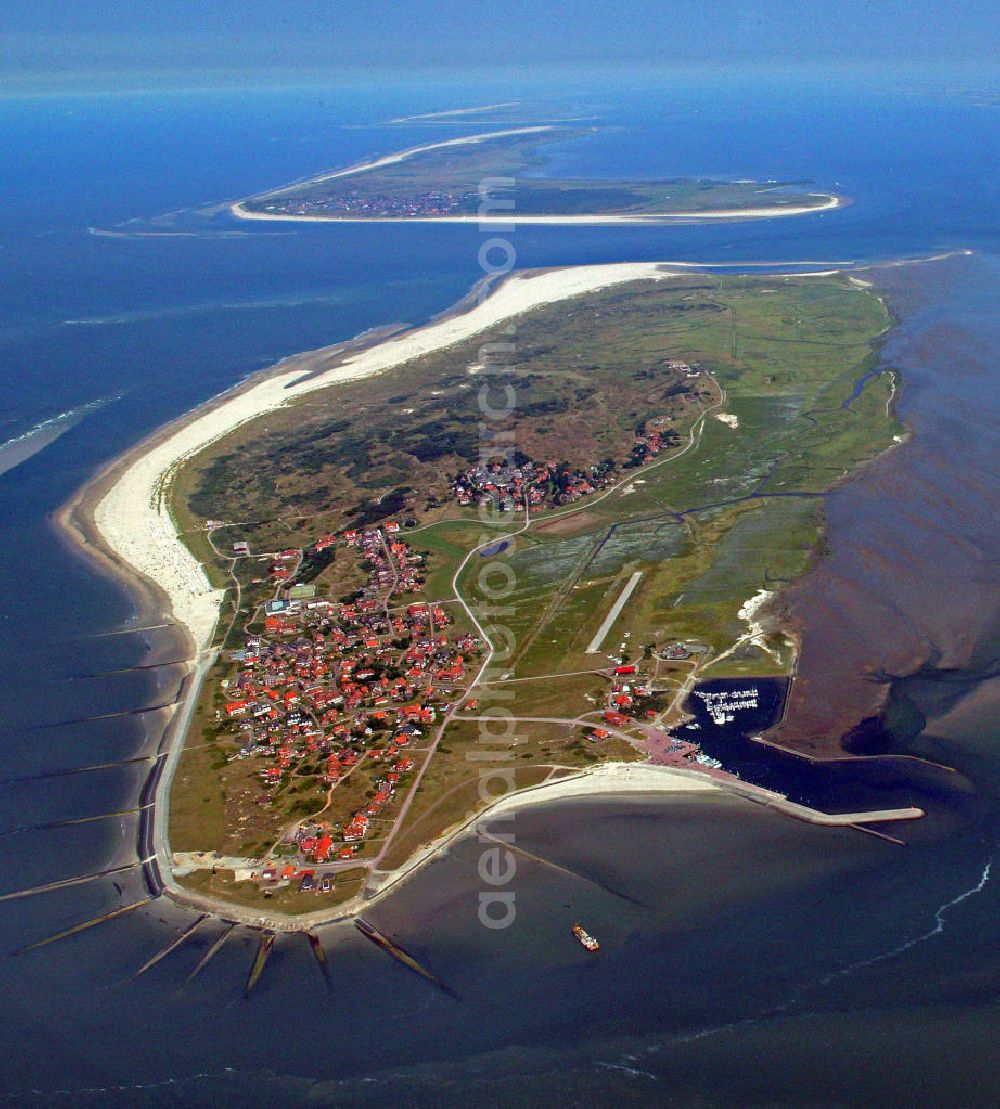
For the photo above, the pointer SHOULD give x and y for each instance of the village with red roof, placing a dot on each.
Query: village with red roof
(328, 694)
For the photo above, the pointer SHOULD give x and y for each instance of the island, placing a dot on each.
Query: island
(456, 180)
(528, 537)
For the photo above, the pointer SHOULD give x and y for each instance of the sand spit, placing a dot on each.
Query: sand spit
(393, 159)
(133, 516)
(455, 112)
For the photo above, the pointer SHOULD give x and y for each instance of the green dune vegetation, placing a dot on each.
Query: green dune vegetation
(718, 410)
(445, 181)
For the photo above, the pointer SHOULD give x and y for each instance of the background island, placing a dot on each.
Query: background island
(443, 182)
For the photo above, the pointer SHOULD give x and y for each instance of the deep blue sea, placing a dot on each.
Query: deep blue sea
(753, 961)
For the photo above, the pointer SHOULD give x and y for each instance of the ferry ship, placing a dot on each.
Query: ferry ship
(585, 938)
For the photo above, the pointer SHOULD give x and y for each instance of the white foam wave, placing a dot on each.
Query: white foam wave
(939, 926)
(180, 310)
(22, 447)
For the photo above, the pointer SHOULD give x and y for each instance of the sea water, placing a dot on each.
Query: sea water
(745, 957)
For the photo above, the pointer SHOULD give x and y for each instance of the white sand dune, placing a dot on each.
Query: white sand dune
(393, 159)
(133, 516)
(514, 218)
(239, 209)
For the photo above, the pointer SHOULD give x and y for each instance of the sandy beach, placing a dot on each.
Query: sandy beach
(242, 212)
(127, 511)
(621, 781)
(614, 777)
(640, 781)
(402, 156)
(132, 518)
(609, 780)
(509, 218)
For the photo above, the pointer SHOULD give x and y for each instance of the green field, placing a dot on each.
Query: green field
(447, 182)
(786, 351)
(733, 507)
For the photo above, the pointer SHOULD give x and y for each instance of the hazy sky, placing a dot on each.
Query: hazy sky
(63, 38)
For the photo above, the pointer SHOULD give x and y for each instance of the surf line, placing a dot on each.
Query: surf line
(939, 926)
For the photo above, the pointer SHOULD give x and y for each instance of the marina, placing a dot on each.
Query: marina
(835, 938)
(731, 719)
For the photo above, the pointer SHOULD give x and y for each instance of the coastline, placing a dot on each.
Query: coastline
(609, 780)
(122, 519)
(123, 515)
(402, 156)
(513, 218)
(238, 210)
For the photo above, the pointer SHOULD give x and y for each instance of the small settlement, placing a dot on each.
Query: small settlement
(331, 700)
(324, 688)
(520, 480)
(355, 203)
